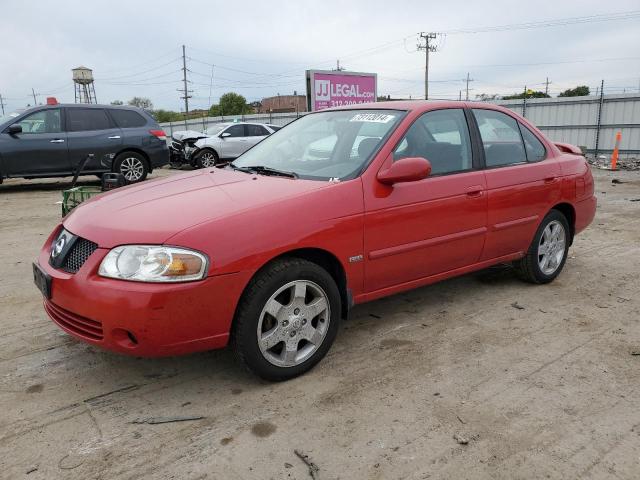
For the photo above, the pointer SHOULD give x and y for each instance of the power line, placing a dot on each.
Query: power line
(603, 17)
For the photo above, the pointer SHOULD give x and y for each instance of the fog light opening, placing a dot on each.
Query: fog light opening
(132, 337)
(124, 338)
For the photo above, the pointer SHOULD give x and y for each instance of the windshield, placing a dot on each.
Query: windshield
(324, 145)
(216, 129)
(8, 117)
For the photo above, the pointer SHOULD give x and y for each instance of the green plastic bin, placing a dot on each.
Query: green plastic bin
(75, 196)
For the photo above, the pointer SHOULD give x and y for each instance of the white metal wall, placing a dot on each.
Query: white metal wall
(575, 120)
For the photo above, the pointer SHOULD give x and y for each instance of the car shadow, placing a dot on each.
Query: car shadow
(10, 186)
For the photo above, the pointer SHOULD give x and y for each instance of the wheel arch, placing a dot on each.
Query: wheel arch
(207, 147)
(570, 214)
(135, 150)
(324, 259)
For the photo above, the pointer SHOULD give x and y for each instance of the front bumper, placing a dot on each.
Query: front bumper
(142, 319)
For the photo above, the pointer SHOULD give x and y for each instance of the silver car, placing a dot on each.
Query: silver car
(227, 141)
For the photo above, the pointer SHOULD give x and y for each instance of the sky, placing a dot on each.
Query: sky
(260, 49)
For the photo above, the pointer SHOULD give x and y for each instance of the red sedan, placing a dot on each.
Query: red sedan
(338, 208)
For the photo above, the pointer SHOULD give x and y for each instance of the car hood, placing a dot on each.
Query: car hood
(154, 211)
(183, 135)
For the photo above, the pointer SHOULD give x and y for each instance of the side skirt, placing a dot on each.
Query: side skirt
(420, 282)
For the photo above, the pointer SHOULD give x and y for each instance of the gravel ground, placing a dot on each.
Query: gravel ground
(477, 377)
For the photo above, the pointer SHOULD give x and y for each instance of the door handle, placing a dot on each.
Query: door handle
(475, 191)
(57, 140)
(114, 137)
(550, 179)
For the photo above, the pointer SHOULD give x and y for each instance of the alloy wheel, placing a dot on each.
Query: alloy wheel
(208, 159)
(132, 168)
(551, 248)
(293, 323)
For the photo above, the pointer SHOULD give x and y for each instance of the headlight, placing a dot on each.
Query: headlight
(153, 263)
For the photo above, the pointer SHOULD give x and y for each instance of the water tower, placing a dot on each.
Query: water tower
(85, 90)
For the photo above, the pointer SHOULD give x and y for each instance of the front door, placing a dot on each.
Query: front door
(41, 148)
(418, 229)
(91, 130)
(234, 144)
(522, 183)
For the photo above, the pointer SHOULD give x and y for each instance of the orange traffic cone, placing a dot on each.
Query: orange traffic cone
(614, 155)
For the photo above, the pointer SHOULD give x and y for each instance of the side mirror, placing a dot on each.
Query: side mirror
(14, 129)
(225, 135)
(409, 169)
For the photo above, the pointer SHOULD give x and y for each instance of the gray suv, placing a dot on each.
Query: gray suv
(51, 140)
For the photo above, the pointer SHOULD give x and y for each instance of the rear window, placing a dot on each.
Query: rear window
(127, 118)
(275, 128)
(81, 119)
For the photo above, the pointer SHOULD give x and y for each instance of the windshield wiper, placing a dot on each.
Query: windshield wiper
(262, 170)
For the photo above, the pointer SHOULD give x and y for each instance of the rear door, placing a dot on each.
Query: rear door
(41, 148)
(419, 229)
(522, 183)
(255, 133)
(91, 130)
(235, 143)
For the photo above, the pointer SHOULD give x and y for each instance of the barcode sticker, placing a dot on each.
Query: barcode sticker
(372, 117)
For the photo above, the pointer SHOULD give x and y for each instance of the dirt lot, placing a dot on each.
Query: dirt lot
(542, 381)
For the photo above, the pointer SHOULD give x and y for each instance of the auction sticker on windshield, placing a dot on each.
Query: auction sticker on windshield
(372, 117)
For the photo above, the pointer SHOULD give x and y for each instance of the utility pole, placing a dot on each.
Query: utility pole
(468, 80)
(35, 102)
(211, 86)
(546, 88)
(427, 47)
(338, 67)
(186, 95)
(460, 95)
(2, 104)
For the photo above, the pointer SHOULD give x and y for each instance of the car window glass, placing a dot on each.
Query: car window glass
(534, 148)
(501, 138)
(275, 128)
(325, 145)
(235, 131)
(127, 118)
(44, 121)
(256, 130)
(440, 136)
(81, 119)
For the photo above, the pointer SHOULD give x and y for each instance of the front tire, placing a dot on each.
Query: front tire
(548, 251)
(206, 159)
(287, 319)
(132, 166)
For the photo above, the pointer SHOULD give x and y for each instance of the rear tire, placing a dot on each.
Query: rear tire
(132, 165)
(548, 251)
(206, 159)
(287, 319)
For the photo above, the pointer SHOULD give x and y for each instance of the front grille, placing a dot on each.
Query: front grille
(81, 326)
(79, 253)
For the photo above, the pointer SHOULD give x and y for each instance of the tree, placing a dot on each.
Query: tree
(528, 94)
(141, 102)
(579, 91)
(162, 116)
(117, 102)
(483, 97)
(230, 104)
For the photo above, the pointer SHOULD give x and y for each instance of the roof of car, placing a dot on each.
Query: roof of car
(85, 105)
(416, 105)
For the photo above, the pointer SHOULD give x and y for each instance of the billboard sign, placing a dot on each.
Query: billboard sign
(328, 88)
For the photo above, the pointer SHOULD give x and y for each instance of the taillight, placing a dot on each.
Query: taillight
(159, 134)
